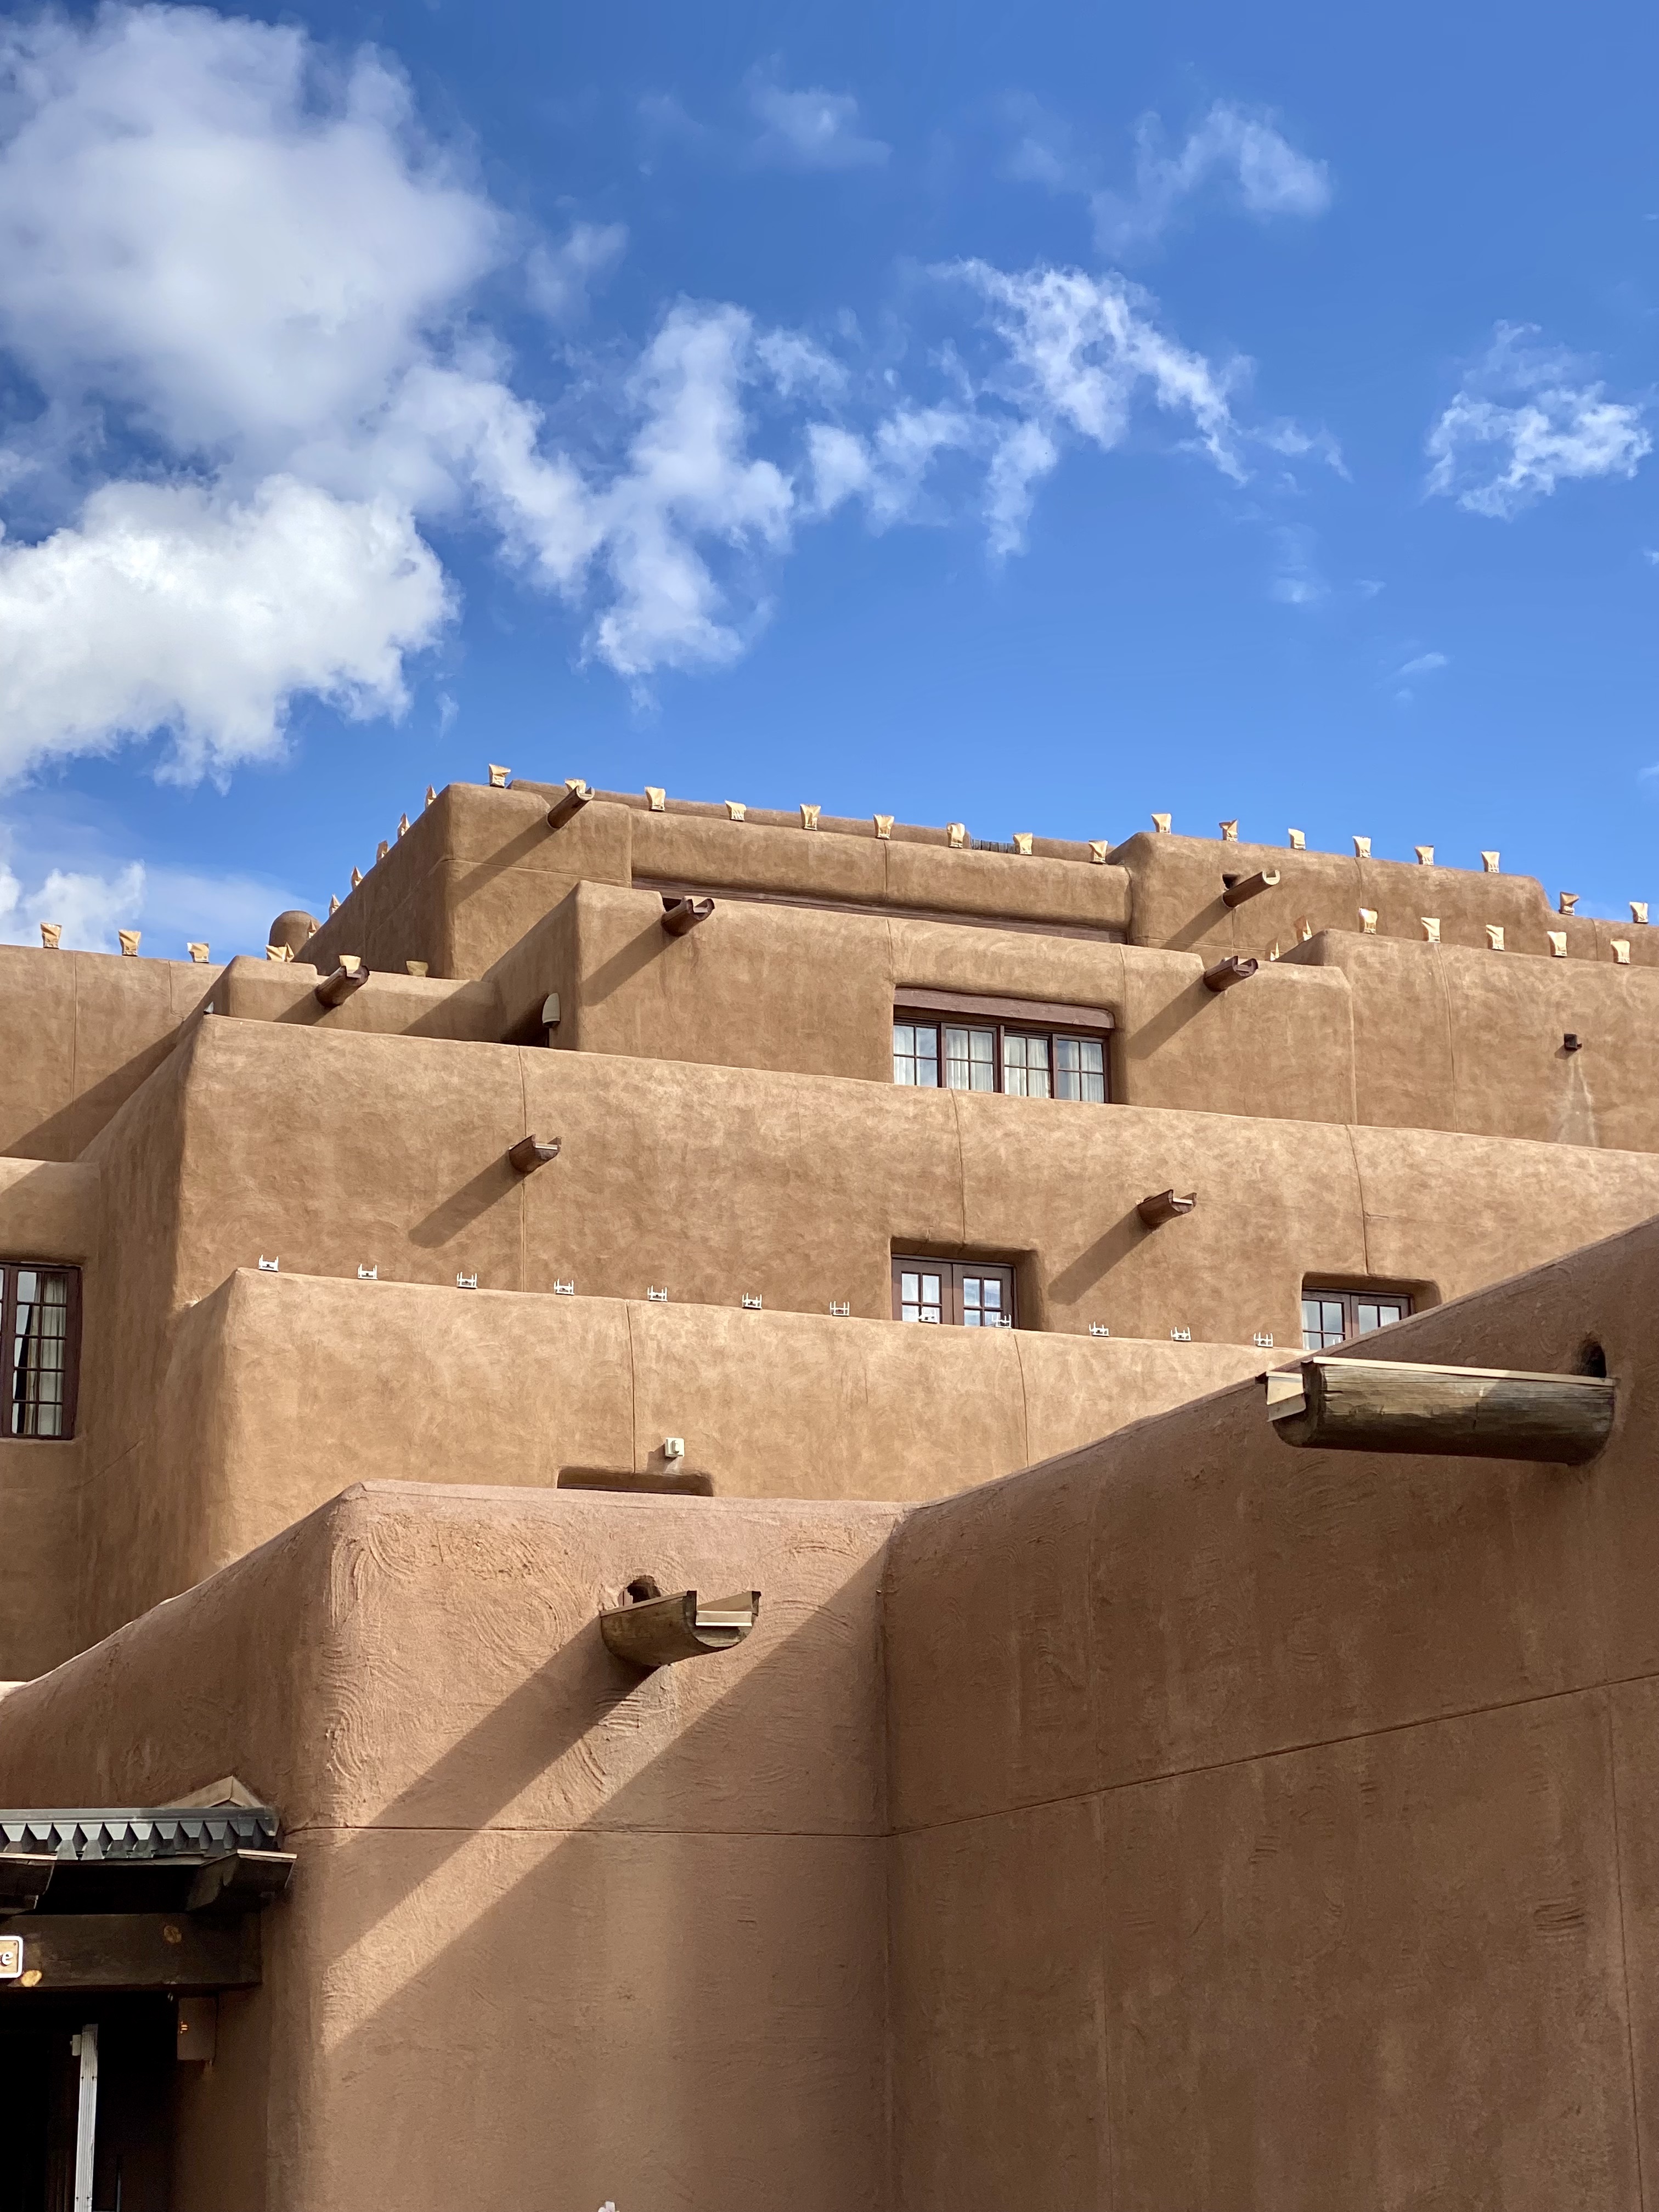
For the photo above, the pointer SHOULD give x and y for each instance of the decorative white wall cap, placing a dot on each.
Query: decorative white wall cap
(658, 797)
(1489, 862)
(1620, 950)
(736, 809)
(1368, 920)
(809, 815)
(130, 940)
(1098, 848)
(52, 934)
(1430, 927)
(1558, 939)
(499, 776)
(1298, 840)
(884, 825)
(1161, 823)
(1229, 833)
(1362, 848)
(1495, 935)
(199, 953)
(957, 832)
(1425, 856)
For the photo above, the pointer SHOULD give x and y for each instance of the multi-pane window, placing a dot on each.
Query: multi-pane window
(40, 1329)
(963, 1293)
(1333, 1317)
(1020, 1061)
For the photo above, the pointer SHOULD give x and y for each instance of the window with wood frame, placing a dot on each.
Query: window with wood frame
(953, 1293)
(40, 1331)
(1330, 1317)
(1025, 1049)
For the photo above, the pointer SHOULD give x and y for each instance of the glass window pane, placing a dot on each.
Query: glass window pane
(992, 1294)
(915, 1053)
(39, 1353)
(970, 1291)
(1091, 1070)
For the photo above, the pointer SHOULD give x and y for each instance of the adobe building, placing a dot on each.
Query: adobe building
(715, 1510)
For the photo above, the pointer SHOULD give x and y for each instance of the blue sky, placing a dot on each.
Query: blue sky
(1032, 417)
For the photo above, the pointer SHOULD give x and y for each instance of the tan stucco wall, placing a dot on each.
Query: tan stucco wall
(280, 1388)
(1276, 1828)
(558, 1932)
(1447, 1037)
(1185, 1822)
(1177, 902)
(81, 1031)
(714, 1181)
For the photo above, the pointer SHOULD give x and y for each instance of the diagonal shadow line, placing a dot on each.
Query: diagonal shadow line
(622, 967)
(1114, 1244)
(462, 1206)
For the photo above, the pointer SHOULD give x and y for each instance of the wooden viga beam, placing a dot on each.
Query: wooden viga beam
(1227, 971)
(1466, 1413)
(656, 1632)
(679, 914)
(1164, 1205)
(1249, 887)
(350, 975)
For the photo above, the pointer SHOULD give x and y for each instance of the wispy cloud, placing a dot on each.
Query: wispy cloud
(809, 128)
(560, 278)
(1242, 154)
(1526, 418)
(1296, 580)
(1423, 663)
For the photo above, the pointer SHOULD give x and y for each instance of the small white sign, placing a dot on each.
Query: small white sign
(11, 1958)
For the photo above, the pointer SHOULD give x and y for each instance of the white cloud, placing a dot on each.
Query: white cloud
(171, 907)
(560, 278)
(192, 220)
(1244, 152)
(248, 282)
(88, 909)
(1081, 350)
(169, 607)
(1423, 664)
(810, 129)
(1526, 418)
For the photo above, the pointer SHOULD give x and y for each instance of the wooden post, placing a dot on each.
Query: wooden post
(1227, 972)
(1249, 887)
(1334, 1404)
(85, 2048)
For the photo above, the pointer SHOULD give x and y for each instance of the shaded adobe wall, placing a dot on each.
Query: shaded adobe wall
(81, 1031)
(47, 1212)
(558, 1932)
(1277, 1829)
(283, 1389)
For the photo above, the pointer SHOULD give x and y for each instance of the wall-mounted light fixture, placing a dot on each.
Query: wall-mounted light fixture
(350, 975)
(532, 1153)
(1249, 887)
(679, 914)
(1571, 1041)
(1164, 1205)
(656, 1632)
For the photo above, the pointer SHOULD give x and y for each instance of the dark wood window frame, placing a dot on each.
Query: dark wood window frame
(1331, 1297)
(962, 1291)
(10, 1270)
(1009, 1018)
